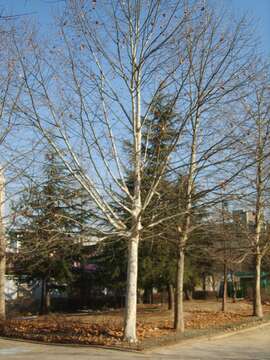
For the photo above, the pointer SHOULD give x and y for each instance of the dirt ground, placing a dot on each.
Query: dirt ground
(157, 314)
(249, 345)
(154, 322)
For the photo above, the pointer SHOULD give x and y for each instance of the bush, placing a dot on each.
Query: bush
(203, 295)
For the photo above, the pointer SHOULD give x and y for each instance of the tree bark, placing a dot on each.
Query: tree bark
(213, 282)
(188, 294)
(204, 283)
(179, 305)
(234, 287)
(257, 301)
(2, 278)
(139, 297)
(44, 300)
(48, 300)
(131, 292)
(225, 288)
(183, 229)
(170, 290)
(132, 271)
(2, 253)
(259, 220)
(83, 285)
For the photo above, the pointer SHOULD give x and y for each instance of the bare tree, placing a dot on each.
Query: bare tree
(255, 142)
(91, 91)
(220, 60)
(8, 96)
(2, 253)
(228, 247)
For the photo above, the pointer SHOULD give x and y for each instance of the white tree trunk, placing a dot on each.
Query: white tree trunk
(132, 271)
(257, 301)
(2, 281)
(184, 233)
(225, 287)
(131, 292)
(2, 252)
(170, 297)
(259, 218)
(179, 291)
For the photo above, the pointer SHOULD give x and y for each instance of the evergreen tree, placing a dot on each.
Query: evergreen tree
(156, 267)
(50, 228)
(157, 261)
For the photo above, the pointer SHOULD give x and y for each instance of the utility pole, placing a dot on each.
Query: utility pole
(2, 250)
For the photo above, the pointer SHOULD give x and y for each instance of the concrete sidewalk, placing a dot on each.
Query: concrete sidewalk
(250, 345)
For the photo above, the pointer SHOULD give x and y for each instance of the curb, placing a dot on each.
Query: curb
(239, 331)
(206, 338)
(146, 350)
(36, 342)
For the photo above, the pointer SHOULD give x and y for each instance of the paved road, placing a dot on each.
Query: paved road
(251, 345)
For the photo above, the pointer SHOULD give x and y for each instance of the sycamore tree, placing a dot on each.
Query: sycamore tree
(255, 194)
(221, 68)
(156, 246)
(93, 85)
(10, 89)
(226, 235)
(49, 229)
(2, 252)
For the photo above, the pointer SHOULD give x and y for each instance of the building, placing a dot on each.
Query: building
(243, 217)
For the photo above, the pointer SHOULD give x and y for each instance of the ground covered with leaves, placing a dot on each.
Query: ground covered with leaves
(106, 328)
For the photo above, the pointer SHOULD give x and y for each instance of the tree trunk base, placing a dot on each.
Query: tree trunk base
(179, 292)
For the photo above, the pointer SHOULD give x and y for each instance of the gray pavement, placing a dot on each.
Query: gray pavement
(252, 345)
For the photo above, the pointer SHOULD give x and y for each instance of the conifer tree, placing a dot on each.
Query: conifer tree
(50, 228)
(156, 267)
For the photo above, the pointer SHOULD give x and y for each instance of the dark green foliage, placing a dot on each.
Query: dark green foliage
(49, 226)
(156, 264)
(157, 248)
(159, 136)
(156, 260)
(111, 262)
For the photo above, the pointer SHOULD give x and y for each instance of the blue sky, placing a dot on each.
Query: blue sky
(42, 10)
(260, 11)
